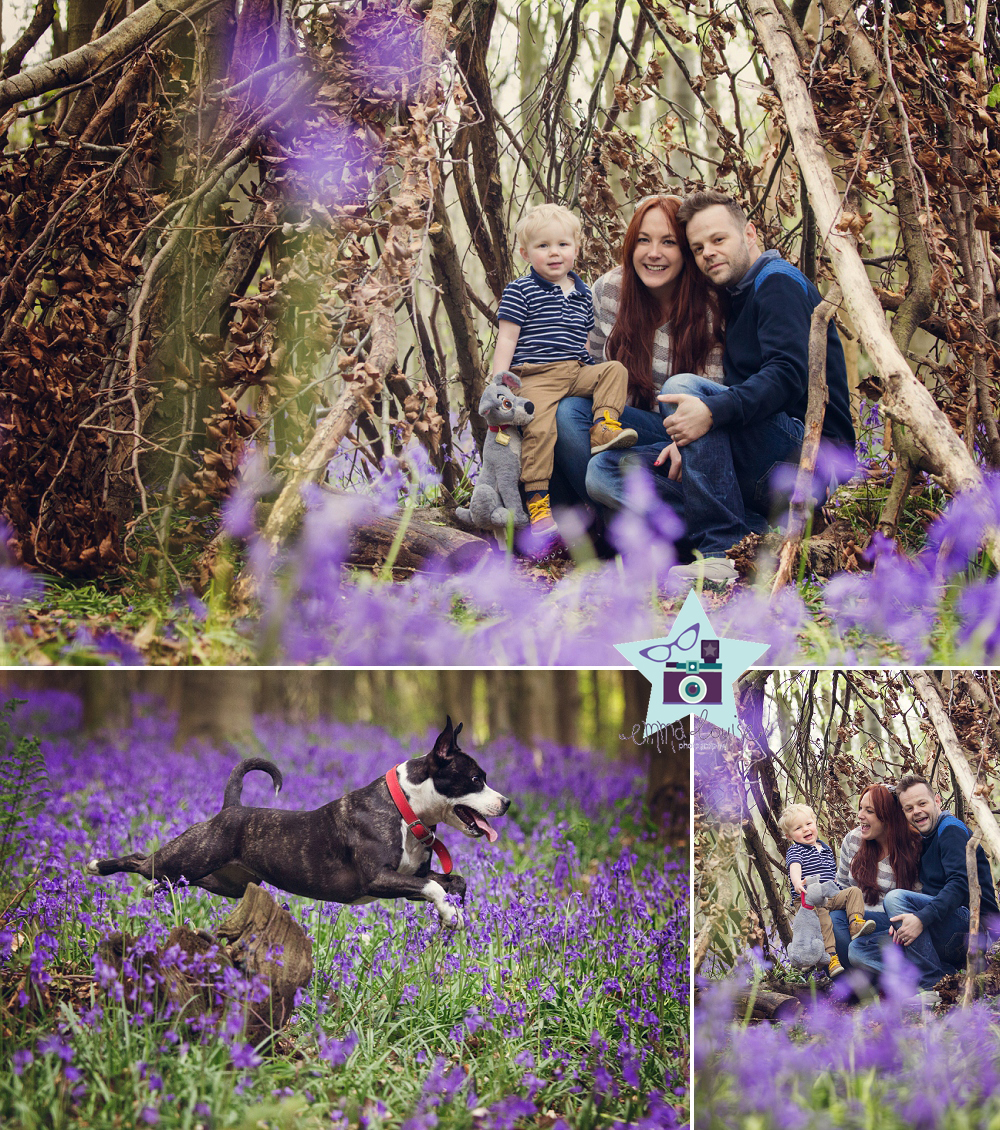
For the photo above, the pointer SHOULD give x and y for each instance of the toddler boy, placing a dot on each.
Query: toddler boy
(809, 859)
(545, 320)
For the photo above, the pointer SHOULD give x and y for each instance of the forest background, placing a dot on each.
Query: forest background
(598, 710)
(252, 253)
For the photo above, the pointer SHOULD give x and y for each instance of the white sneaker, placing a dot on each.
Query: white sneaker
(922, 1001)
(716, 570)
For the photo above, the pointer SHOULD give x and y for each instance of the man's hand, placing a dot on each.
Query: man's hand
(691, 420)
(909, 929)
(671, 452)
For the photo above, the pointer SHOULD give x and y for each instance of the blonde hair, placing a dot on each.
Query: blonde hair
(543, 216)
(791, 814)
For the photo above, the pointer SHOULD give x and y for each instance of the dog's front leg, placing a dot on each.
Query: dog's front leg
(388, 884)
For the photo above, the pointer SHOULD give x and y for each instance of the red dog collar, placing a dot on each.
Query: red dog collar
(802, 896)
(500, 427)
(424, 835)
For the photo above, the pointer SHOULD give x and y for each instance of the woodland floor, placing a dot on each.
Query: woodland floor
(951, 988)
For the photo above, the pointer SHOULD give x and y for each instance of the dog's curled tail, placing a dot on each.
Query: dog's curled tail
(234, 786)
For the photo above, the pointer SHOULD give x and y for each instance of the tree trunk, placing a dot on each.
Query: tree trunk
(456, 689)
(500, 702)
(101, 54)
(566, 692)
(669, 782)
(924, 685)
(216, 707)
(904, 399)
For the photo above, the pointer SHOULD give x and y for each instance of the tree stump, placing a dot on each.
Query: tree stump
(265, 940)
(259, 938)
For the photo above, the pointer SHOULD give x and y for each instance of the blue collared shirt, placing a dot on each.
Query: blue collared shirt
(554, 326)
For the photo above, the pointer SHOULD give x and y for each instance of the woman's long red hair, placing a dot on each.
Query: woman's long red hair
(640, 315)
(902, 843)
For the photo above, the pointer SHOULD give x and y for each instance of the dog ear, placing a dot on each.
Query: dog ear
(445, 740)
(511, 380)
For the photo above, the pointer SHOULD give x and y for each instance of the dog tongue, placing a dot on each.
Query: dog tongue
(491, 835)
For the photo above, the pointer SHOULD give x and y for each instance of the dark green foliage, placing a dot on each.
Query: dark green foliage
(24, 788)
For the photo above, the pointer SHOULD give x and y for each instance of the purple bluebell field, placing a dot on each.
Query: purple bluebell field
(563, 1003)
(933, 605)
(886, 1064)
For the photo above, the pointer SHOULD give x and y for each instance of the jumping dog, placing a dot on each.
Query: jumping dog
(364, 846)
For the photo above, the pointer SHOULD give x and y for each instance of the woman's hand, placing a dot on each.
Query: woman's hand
(691, 420)
(671, 452)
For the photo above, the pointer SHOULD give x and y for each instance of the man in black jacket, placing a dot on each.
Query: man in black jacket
(933, 923)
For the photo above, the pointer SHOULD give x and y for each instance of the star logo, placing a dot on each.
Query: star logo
(692, 670)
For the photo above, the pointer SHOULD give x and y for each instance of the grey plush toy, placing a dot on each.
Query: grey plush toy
(806, 948)
(496, 497)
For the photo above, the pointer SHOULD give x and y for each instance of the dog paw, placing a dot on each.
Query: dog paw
(452, 918)
(91, 868)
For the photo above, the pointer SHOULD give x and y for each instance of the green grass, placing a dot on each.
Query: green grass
(402, 1017)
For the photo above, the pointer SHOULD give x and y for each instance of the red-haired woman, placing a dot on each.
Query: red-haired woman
(880, 854)
(656, 314)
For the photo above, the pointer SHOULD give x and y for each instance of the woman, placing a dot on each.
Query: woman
(881, 853)
(657, 315)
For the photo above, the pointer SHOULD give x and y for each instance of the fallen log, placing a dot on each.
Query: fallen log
(426, 547)
(768, 1005)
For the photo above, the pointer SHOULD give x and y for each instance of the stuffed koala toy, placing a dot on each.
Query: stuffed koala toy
(496, 496)
(807, 949)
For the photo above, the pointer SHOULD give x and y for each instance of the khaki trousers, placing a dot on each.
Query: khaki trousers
(849, 899)
(545, 385)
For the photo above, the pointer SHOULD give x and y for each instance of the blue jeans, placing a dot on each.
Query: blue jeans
(574, 418)
(937, 951)
(855, 952)
(723, 494)
(862, 952)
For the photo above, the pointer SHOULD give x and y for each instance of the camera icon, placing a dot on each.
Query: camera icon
(691, 682)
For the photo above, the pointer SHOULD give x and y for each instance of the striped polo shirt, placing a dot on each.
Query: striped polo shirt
(817, 861)
(554, 326)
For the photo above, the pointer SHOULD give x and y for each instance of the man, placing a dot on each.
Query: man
(726, 440)
(933, 923)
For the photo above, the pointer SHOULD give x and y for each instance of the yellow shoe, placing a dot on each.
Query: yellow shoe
(607, 432)
(834, 968)
(860, 926)
(541, 540)
(540, 513)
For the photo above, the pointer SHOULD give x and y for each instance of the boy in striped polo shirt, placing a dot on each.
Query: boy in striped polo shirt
(545, 320)
(809, 859)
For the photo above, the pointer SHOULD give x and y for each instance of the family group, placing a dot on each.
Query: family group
(903, 880)
(690, 358)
